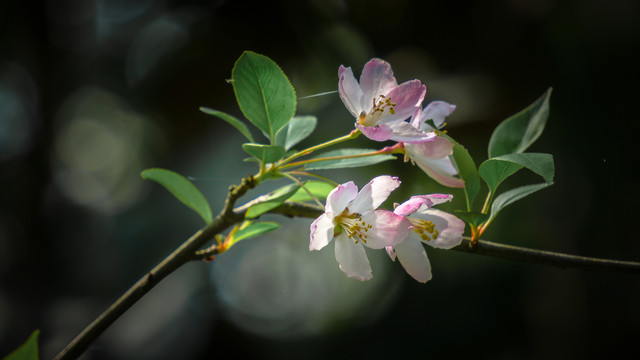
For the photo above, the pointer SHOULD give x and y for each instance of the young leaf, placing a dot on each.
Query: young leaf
(297, 130)
(27, 351)
(518, 132)
(467, 170)
(265, 153)
(496, 170)
(271, 200)
(254, 229)
(319, 189)
(263, 92)
(472, 218)
(232, 120)
(182, 189)
(348, 162)
(509, 197)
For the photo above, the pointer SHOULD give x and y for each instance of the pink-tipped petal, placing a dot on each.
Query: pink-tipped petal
(414, 259)
(377, 133)
(340, 197)
(442, 171)
(391, 252)
(350, 91)
(450, 228)
(372, 195)
(405, 132)
(438, 148)
(321, 232)
(352, 259)
(376, 79)
(407, 99)
(435, 199)
(436, 111)
(387, 229)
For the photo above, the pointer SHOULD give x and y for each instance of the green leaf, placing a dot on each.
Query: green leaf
(496, 170)
(509, 197)
(271, 200)
(265, 153)
(239, 125)
(297, 130)
(26, 351)
(319, 189)
(263, 92)
(467, 170)
(518, 132)
(254, 229)
(182, 189)
(472, 218)
(349, 162)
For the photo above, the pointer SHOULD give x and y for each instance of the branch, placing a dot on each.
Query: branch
(179, 257)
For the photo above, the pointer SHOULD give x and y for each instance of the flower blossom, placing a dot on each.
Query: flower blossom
(352, 219)
(380, 105)
(430, 226)
(434, 157)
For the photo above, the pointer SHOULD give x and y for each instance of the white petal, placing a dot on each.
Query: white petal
(387, 229)
(414, 259)
(374, 194)
(350, 91)
(339, 198)
(436, 111)
(450, 228)
(321, 232)
(352, 259)
(376, 79)
(404, 132)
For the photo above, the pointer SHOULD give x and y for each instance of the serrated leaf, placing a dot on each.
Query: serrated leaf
(263, 92)
(349, 162)
(496, 170)
(271, 200)
(319, 189)
(472, 218)
(27, 351)
(232, 120)
(518, 132)
(509, 197)
(296, 130)
(182, 189)
(265, 153)
(255, 229)
(467, 170)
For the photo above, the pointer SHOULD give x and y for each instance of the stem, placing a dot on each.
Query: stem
(487, 202)
(304, 188)
(309, 161)
(352, 135)
(179, 257)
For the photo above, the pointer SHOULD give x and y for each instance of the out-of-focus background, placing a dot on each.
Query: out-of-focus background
(94, 91)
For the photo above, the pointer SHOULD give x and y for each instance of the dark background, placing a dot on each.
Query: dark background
(93, 92)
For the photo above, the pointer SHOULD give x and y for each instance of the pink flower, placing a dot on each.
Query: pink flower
(380, 105)
(351, 217)
(430, 226)
(434, 157)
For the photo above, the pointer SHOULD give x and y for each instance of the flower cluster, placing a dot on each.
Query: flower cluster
(353, 219)
(381, 107)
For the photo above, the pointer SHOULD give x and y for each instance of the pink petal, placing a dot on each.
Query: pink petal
(407, 99)
(442, 171)
(340, 197)
(414, 259)
(377, 133)
(352, 259)
(387, 229)
(405, 132)
(436, 111)
(412, 205)
(376, 79)
(438, 148)
(350, 91)
(391, 252)
(372, 195)
(435, 199)
(321, 232)
(450, 228)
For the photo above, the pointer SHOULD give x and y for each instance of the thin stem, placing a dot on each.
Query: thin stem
(339, 157)
(305, 188)
(323, 178)
(352, 135)
(487, 202)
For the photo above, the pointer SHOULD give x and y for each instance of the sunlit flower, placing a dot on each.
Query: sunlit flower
(352, 219)
(430, 226)
(380, 105)
(434, 157)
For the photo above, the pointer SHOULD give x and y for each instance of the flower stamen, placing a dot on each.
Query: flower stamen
(424, 228)
(354, 226)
